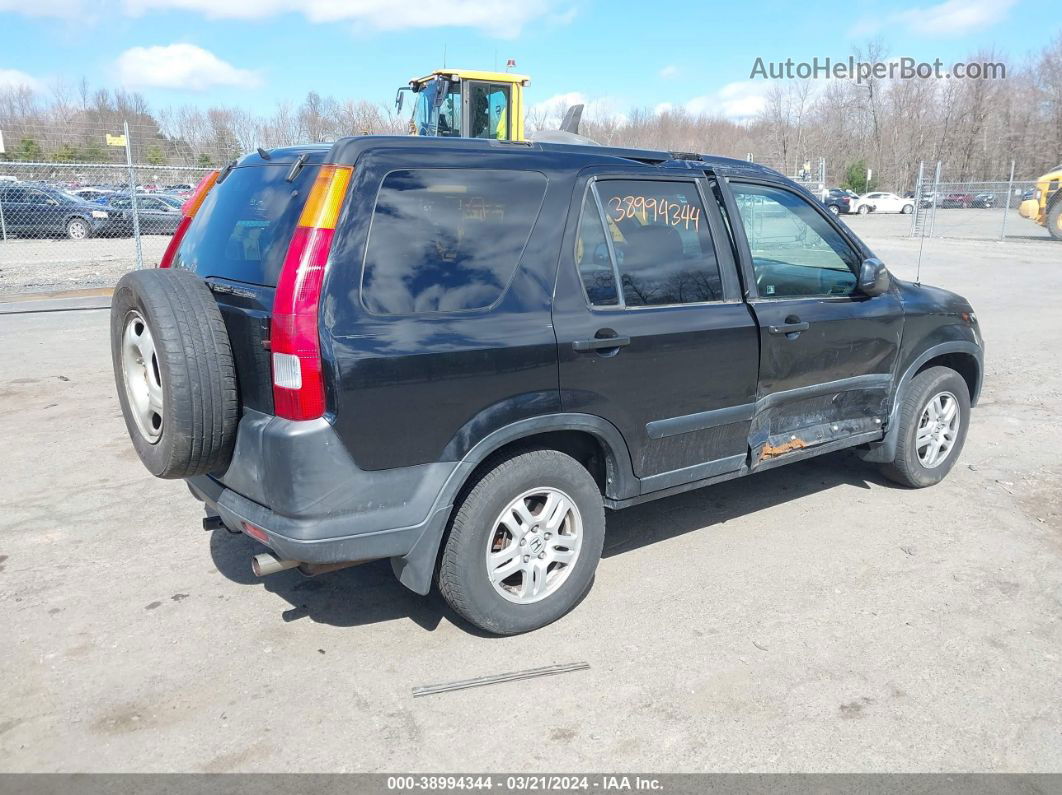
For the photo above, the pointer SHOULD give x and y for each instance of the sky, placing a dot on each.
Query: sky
(614, 54)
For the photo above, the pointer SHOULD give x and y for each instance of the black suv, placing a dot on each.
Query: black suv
(456, 353)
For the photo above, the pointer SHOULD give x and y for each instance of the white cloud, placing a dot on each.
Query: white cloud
(498, 17)
(13, 78)
(62, 9)
(738, 101)
(950, 18)
(183, 66)
(669, 71)
(663, 107)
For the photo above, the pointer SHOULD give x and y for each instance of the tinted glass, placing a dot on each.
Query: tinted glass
(444, 240)
(663, 246)
(592, 257)
(15, 195)
(489, 110)
(243, 229)
(795, 251)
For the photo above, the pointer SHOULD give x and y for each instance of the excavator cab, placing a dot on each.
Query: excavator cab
(466, 103)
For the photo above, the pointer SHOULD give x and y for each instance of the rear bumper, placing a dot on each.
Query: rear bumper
(296, 482)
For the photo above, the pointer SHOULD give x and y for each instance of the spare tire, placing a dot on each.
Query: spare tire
(174, 372)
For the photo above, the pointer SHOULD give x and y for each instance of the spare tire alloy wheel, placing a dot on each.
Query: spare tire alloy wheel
(534, 546)
(174, 373)
(143, 380)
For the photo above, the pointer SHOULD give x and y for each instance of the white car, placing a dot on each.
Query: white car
(882, 203)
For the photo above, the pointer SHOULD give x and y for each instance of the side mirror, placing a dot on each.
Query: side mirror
(873, 277)
(400, 97)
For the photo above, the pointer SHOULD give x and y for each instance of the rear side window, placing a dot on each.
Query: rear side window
(447, 240)
(663, 248)
(243, 229)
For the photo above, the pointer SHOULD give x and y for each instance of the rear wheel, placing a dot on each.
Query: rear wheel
(933, 416)
(835, 209)
(863, 209)
(524, 543)
(78, 229)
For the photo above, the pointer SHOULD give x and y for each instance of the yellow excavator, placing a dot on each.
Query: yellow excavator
(1045, 205)
(467, 103)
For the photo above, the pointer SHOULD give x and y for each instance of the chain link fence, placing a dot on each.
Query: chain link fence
(84, 224)
(971, 209)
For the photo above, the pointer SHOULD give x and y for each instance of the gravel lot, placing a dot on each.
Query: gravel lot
(812, 618)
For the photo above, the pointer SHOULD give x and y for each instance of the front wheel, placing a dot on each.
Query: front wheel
(1054, 220)
(933, 416)
(524, 543)
(907, 209)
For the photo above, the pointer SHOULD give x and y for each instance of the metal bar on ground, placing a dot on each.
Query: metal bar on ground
(481, 681)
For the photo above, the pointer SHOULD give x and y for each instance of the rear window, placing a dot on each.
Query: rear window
(447, 240)
(243, 229)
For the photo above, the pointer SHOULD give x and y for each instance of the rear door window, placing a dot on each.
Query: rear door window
(447, 240)
(663, 248)
(243, 229)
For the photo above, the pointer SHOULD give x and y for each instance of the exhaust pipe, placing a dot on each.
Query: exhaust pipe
(267, 563)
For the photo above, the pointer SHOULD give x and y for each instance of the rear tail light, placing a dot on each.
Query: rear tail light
(188, 210)
(298, 387)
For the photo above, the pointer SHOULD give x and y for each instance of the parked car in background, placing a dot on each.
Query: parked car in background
(92, 194)
(929, 199)
(837, 201)
(957, 201)
(38, 211)
(881, 202)
(985, 201)
(159, 214)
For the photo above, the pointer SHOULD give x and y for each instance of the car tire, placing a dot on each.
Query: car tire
(834, 209)
(1054, 220)
(78, 229)
(924, 421)
(907, 209)
(173, 368)
(479, 531)
(863, 209)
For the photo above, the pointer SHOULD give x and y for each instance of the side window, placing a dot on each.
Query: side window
(489, 111)
(664, 252)
(592, 256)
(450, 112)
(15, 195)
(795, 251)
(36, 197)
(446, 240)
(122, 204)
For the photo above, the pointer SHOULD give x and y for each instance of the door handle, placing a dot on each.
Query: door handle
(789, 328)
(601, 343)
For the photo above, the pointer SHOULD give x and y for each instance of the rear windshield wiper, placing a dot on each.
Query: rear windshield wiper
(296, 167)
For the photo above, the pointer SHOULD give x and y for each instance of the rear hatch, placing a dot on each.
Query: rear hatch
(237, 242)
